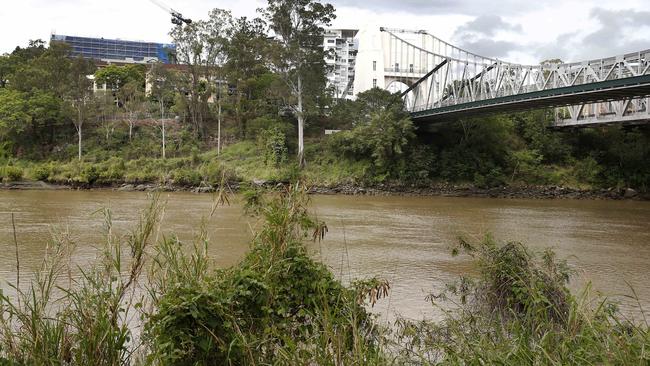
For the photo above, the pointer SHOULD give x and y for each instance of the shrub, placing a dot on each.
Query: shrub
(277, 306)
(186, 177)
(42, 172)
(211, 172)
(518, 310)
(587, 170)
(274, 143)
(11, 173)
(89, 174)
(112, 171)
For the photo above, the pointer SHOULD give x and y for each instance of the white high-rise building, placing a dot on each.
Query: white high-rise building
(342, 46)
(363, 59)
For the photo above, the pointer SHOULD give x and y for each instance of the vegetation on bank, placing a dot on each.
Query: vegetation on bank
(513, 150)
(151, 300)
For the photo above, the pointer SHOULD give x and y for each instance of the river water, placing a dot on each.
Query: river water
(406, 240)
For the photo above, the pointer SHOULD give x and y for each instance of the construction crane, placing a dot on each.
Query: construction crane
(177, 18)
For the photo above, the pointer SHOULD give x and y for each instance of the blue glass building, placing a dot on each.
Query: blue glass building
(117, 50)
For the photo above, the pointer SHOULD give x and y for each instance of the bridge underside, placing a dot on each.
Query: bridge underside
(610, 90)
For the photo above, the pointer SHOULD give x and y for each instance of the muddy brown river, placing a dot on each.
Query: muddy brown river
(405, 240)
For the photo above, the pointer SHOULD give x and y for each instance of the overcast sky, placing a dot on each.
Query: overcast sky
(515, 30)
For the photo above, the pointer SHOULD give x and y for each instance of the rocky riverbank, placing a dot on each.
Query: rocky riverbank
(530, 192)
(448, 190)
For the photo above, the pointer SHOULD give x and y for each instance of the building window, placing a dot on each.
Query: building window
(374, 83)
(396, 67)
(330, 41)
(411, 68)
(374, 66)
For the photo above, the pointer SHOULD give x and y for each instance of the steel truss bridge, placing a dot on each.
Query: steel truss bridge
(442, 82)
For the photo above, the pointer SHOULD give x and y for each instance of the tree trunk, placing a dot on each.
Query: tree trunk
(79, 140)
(79, 124)
(130, 129)
(219, 128)
(162, 120)
(301, 126)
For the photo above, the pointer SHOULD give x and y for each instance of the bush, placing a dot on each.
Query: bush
(587, 170)
(11, 173)
(211, 172)
(277, 306)
(186, 177)
(274, 143)
(112, 171)
(42, 172)
(518, 310)
(89, 174)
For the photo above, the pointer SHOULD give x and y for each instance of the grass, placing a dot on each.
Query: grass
(518, 311)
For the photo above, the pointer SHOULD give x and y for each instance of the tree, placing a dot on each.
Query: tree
(299, 55)
(126, 84)
(104, 105)
(80, 94)
(201, 46)
(246, 64)
(7, 68)
(115, 77)
(382, 138)
(132, 98)
(14, 118)
(163, 87)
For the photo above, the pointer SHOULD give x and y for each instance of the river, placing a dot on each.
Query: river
(406, 240)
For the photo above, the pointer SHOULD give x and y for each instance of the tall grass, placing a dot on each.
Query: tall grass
(518, 311)
(85, 322)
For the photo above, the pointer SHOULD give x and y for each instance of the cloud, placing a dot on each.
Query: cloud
(618, 32)
(478, 36)
(604, 33)
(487, 25)
(439, 7)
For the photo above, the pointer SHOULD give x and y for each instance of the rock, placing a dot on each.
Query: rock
(126, 187)
(629, 193)
(140, 187)
(259, 182)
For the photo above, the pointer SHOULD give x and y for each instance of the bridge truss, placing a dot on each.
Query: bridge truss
(444, 82)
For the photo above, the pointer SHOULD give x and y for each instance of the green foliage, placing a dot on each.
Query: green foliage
(11, 173)
(527, 166)
(518, 310)
(587, 170)
(42, 172)
(115, 77)
(14, 117)
(277, 306)
(275, 146)
(382, 140)
(188, 177)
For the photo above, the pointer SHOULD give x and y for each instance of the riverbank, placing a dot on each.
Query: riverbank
(445, 190)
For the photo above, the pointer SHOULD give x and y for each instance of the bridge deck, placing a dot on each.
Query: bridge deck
(617, 89)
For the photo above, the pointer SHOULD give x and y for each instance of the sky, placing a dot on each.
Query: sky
(523, 31)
